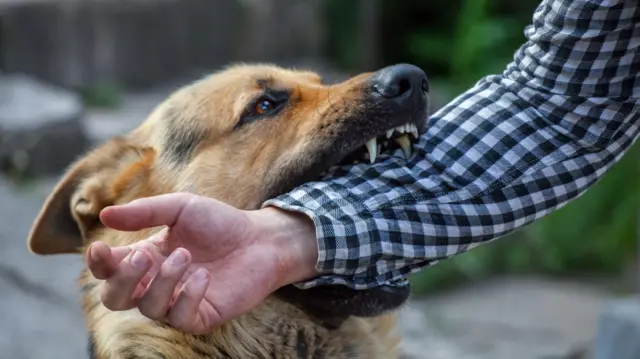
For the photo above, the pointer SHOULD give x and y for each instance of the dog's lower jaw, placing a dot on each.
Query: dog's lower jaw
(331, 305)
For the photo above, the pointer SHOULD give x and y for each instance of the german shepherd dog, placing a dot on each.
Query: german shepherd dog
(242, 135)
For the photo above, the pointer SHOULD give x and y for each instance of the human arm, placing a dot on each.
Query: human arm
(512, 149)
(213, 262)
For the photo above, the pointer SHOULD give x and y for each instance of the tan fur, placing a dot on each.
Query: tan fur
(241, 167)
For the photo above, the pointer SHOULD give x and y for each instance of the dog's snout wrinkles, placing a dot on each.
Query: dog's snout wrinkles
(400, 82)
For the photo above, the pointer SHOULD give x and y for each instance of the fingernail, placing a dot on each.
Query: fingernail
(201, 275)
(178, 257)
(93, 255)
(139, 259)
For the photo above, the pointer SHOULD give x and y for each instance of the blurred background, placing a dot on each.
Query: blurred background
(76, 72)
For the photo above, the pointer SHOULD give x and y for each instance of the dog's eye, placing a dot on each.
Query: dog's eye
(263, 106)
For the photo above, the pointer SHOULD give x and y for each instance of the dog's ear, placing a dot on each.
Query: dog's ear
(55, 230)
(72, 210)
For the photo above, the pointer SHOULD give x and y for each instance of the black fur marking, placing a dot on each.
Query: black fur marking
(264, 83)
(88, 287)
(91, 347)
(331, 305)
(93, 306)
(204, 354)
(302, 348)
(223, 354)
(181, 140)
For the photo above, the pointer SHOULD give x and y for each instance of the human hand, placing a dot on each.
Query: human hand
(213, 262)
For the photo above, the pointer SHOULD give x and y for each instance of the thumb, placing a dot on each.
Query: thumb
(162, 210)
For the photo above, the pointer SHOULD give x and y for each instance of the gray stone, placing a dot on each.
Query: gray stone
(421, 340)
(619, 330)
(518, 317)
(40, 126)
(41, 316)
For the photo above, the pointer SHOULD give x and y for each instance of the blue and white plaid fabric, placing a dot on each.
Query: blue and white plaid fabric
(510, 150)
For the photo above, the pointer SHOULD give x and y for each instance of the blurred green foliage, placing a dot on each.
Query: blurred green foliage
(105, 95)
(457, 42)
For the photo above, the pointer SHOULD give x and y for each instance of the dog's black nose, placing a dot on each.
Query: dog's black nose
(400, 81)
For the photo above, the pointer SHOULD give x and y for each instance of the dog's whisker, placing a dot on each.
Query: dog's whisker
(318, 103)
(329, 98)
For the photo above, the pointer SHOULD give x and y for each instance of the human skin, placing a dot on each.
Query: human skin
(210, 264)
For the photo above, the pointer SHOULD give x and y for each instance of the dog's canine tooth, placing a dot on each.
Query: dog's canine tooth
(414, 130)
(405, 144)
(372, 145)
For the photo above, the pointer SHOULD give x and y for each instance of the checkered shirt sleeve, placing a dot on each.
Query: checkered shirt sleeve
(510, 150)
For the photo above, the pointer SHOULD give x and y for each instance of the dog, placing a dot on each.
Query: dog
(242, 135)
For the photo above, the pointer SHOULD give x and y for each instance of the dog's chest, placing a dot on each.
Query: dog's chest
(273, 330)
(130, 335)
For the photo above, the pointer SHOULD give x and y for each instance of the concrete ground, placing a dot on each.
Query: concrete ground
(40, 317)
(505, 318)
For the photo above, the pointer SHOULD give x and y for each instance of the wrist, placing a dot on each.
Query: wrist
(294, 240)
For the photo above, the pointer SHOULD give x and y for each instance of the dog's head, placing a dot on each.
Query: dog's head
(243, 135)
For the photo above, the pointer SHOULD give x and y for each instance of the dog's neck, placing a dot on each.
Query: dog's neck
(273, 327)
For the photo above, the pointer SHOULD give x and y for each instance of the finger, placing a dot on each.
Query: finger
(155, 245)
(162, 210)
(118, 290)
(103, 261)
(142, 286)
(155, 302)
(183, 315)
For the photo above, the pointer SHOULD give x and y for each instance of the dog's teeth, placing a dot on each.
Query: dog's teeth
(389, 133)
(405, 144)
(407, 128)
(372, 145)
(400, 129)
(414, 131)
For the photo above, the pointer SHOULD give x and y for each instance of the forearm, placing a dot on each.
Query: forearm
(510, 150)
(294, 235)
